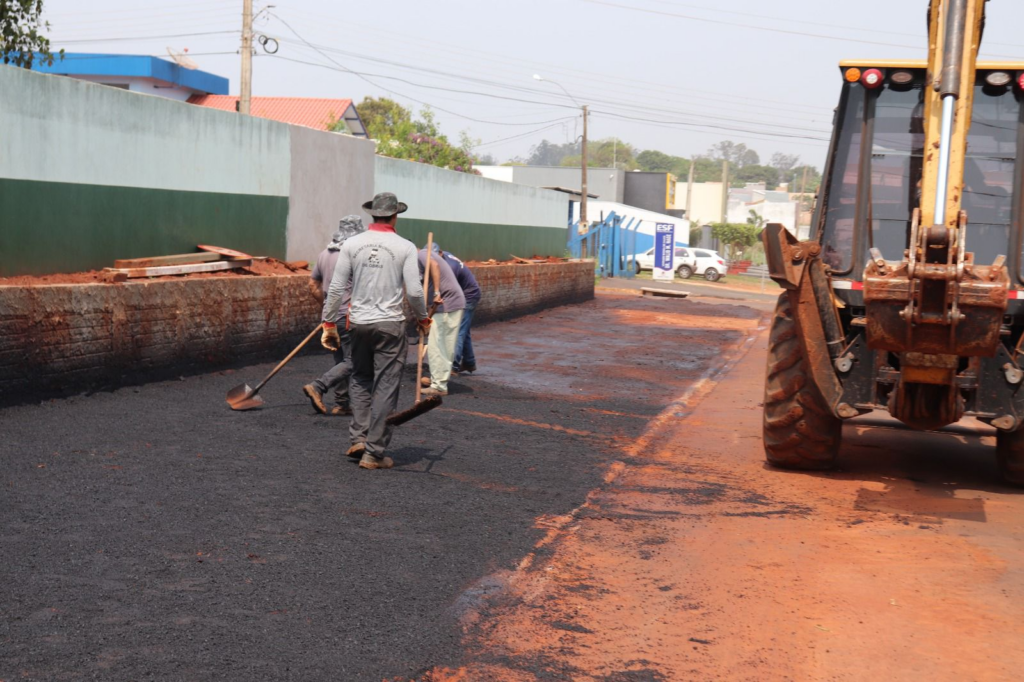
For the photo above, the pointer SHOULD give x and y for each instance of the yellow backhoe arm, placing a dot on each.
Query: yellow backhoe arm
(955, 28)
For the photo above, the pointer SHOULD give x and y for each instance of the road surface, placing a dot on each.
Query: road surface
(593, 505)
(152, 533)
(695, 561)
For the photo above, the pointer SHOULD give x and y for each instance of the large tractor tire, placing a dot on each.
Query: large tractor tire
(800, 431)
(1010, 453)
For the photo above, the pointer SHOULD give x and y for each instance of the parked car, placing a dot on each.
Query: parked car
(688, 262)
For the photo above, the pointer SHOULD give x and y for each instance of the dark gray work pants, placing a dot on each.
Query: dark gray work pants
(337, 377)
(378, 358)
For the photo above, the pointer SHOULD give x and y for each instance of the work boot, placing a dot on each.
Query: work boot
(370, 462)
(433, 391)
(341, 411)
(357, 450)
(315, 397)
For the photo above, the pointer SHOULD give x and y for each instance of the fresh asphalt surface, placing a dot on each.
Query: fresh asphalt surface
(152, 533)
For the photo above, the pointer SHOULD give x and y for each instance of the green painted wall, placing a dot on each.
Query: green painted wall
(479, 241)
(48, 227)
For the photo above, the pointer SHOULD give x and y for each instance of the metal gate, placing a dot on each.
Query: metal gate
(610, 242)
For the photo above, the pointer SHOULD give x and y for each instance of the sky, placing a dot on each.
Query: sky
(671, 75)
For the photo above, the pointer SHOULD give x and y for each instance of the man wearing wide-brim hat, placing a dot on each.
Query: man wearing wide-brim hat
(383, 270)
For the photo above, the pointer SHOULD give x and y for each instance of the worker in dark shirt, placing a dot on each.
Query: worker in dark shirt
(319, 284)
(465, 359)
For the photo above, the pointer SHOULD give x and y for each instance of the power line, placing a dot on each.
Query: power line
(516, 137)
(755, 27)
(145, 10)
(711, 125)
(631, 107)
(143, 38)
(788, 20)
(607, 113)
(603, 78)
(365, 76)
(517, 88)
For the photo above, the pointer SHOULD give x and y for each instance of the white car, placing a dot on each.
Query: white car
(688, 262)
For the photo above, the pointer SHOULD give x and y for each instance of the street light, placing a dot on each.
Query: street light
(583, 156)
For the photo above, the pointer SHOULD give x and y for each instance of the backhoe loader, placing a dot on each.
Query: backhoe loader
(907, 297)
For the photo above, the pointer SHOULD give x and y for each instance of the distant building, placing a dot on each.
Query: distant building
(137, 73)
(301, 111)
(607, 183)
(706, 206)
(773, 206)
(652, 191)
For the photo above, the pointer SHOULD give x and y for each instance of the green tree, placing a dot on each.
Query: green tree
(784, 162)
(21, 38)
(737, 236)
(737, 154)
(756, 219)
(654, 161)
(398, 135)
(551, 154)
(608, 153)
(756, 173)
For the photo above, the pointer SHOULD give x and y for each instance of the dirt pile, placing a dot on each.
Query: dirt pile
(270, 267)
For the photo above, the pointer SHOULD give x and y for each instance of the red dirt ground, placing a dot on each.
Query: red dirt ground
(696, 561)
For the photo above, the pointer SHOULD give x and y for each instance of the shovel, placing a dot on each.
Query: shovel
(245, 398)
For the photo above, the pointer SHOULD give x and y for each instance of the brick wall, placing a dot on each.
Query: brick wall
(513, 290)
(60, 338)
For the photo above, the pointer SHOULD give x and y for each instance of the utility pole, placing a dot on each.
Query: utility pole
(246, 90)
(583, 176)
(803, 188)
(725, 190)
(689, 191)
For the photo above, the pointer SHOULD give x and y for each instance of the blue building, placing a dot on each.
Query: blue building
(138, 73)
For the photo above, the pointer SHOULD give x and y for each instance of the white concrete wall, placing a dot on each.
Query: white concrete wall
(105, 136)
(502, 173)
(437, 194)
(144, 86)
(331, 176)
(707, 202)
(772, 212)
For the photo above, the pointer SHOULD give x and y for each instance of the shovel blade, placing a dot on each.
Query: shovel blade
(241, 398)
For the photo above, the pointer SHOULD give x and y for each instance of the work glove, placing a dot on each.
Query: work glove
(330, 339)
(424, 324)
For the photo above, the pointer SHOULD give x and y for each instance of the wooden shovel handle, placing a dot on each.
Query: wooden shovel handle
(289, 357)
(426, 292)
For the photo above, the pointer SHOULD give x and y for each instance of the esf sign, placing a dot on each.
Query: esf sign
(664, 251)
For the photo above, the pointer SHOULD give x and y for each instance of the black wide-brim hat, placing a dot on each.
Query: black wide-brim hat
(385, 205)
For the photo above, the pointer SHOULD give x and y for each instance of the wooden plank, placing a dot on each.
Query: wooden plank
(671, 293)
(133, 273)
(177, 259)
(227, 253)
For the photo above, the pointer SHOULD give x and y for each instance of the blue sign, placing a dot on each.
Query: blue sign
(664, 244)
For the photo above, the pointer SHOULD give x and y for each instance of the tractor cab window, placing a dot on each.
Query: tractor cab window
(897, 149)
(891, 121)
(989, 172)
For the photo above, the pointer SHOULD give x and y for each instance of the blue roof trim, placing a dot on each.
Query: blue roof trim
(138, 66)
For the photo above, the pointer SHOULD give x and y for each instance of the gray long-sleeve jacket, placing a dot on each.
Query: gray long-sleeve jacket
(383, 268)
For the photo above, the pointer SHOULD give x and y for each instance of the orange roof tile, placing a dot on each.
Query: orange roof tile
(302, 111)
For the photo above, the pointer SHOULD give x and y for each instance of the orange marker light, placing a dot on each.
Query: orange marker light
(853, 75)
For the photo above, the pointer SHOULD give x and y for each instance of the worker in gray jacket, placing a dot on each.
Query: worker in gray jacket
(383, 270)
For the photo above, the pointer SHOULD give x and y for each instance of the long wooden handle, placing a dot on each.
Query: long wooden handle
(285, 361)
(426, 292)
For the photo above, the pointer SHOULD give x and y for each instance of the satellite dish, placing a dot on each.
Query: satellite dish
(182, 60)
